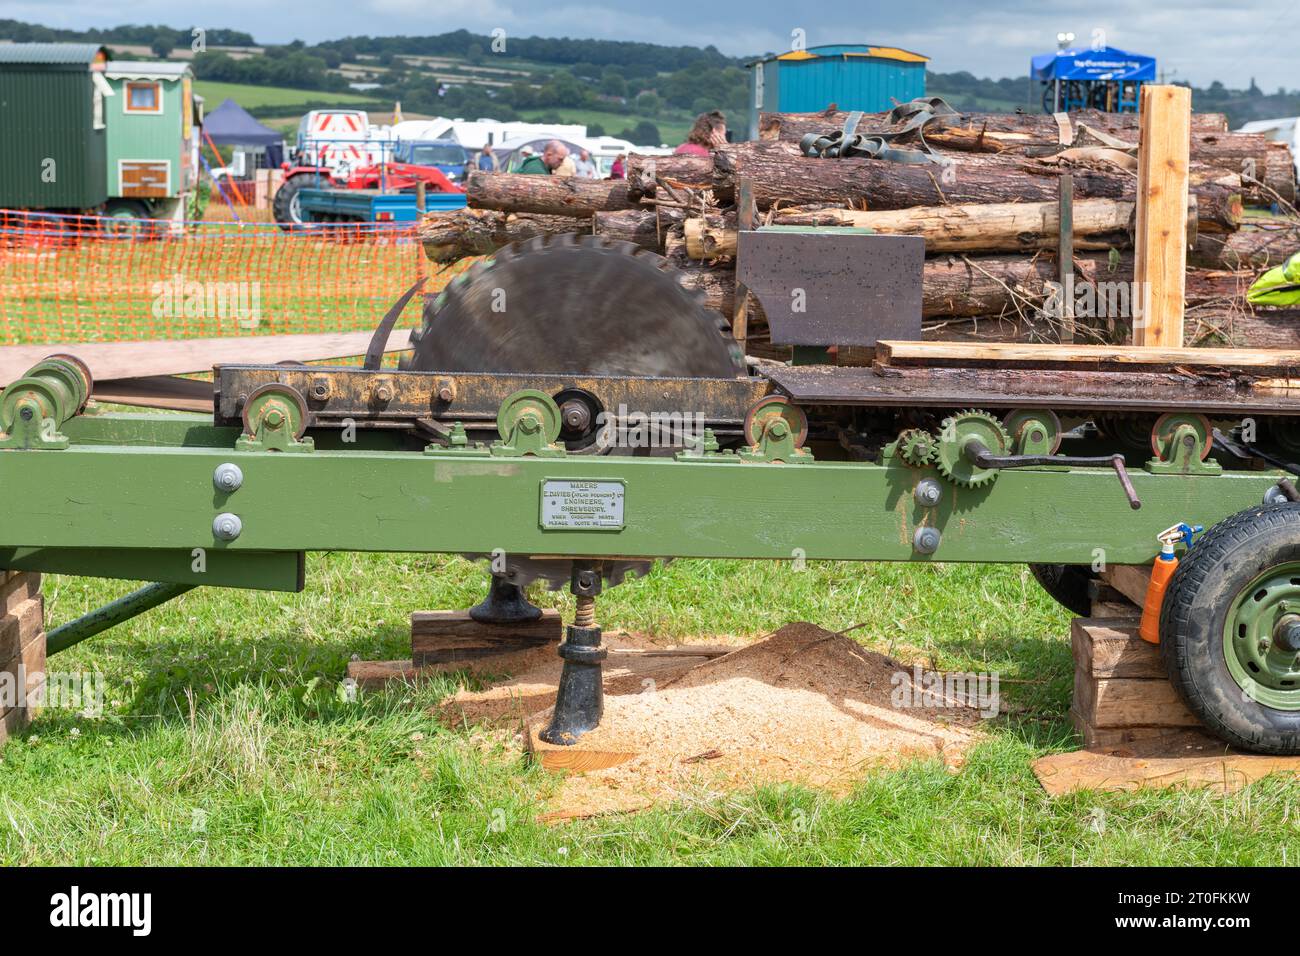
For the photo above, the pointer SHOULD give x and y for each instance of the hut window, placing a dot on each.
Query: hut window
(143, 98)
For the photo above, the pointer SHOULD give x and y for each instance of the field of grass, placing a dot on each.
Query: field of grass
(227, 738)
(256, 97)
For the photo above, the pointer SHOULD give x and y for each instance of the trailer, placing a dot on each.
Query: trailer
(322, 205)
(153, 141)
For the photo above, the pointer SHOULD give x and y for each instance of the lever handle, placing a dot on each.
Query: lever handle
(978, 454)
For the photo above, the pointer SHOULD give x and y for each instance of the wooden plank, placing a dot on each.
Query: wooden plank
(1112, 648)
(1085, 389)
(1160, 239)
(1130, 580)
(440, 637)
(1188, 759)
(1094, 357)
(113, 360)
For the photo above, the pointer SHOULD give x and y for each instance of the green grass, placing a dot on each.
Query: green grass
(255, 97)
(226, 738)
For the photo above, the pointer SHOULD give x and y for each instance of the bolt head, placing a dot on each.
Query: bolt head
(228, 477)
(227, 526)
(926, 540)
(928, 493)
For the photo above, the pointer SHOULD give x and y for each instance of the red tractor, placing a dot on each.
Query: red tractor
(396, 176)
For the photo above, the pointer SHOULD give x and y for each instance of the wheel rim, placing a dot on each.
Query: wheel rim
(295, 209)
(1261, 638)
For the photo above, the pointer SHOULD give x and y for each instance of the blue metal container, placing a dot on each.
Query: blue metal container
(853, 76)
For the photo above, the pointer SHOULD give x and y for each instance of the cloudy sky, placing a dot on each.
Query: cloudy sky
(1197, 40)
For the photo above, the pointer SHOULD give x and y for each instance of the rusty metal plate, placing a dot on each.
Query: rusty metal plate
(834, 287)
(390, 398)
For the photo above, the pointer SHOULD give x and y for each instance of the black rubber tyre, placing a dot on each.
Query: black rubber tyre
(1067, 583)
(1209, 579)
(286, 211)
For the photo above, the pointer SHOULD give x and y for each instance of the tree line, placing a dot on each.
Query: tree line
(632, 78)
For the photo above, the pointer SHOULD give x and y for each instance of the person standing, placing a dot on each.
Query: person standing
(584, 165)
(557, 159)
(554, 161)
(708, 133)
(618, 170)
(487, 160)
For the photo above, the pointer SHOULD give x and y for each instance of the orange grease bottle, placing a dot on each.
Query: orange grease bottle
(1162, 571)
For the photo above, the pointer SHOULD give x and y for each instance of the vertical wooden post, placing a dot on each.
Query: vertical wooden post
(746, 216)
(1160, 262)
(1065, 255)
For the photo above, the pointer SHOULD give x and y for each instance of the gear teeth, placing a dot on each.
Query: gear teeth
(949, 458)
(916, 446)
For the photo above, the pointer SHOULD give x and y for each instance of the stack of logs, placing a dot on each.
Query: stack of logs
(989, 215)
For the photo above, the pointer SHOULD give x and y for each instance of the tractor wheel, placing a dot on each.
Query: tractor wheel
(127, 219)
(1067, 583)
(285, 205)
(1230, 629)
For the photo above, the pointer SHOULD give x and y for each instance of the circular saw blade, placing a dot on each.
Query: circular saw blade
(578, 305)
(575, 304)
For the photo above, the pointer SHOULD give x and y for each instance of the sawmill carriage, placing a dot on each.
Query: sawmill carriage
(506, 434)
(572, 409)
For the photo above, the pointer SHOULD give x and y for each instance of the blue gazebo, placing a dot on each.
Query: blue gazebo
(1106, 79)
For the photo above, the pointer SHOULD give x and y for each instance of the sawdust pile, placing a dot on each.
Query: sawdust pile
(804, 705)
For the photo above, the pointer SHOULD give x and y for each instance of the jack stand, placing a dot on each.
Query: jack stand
(580, 701)
(505, 604)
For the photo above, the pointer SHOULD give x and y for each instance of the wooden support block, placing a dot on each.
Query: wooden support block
(18, 586)
(1130, 580)
(1112, 648)
(1121, 691)
(20, 626)
(579, 757)
(1160, 240)
(1108, 703)
(22, 651)
(442, 637)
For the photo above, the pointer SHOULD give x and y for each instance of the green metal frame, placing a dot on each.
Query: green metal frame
(160, 495)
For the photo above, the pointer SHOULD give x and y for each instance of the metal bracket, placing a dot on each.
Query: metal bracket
(529, 424)
(458, 445)
(1182, 443)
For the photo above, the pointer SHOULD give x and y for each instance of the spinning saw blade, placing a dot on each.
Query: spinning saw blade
(575, 304)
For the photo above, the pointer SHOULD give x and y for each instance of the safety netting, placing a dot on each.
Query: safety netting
(69, 279)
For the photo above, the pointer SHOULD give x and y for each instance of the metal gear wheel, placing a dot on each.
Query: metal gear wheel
(916, 446)
(956, 430)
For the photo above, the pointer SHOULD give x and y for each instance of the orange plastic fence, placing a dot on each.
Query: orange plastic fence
(67, 279)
